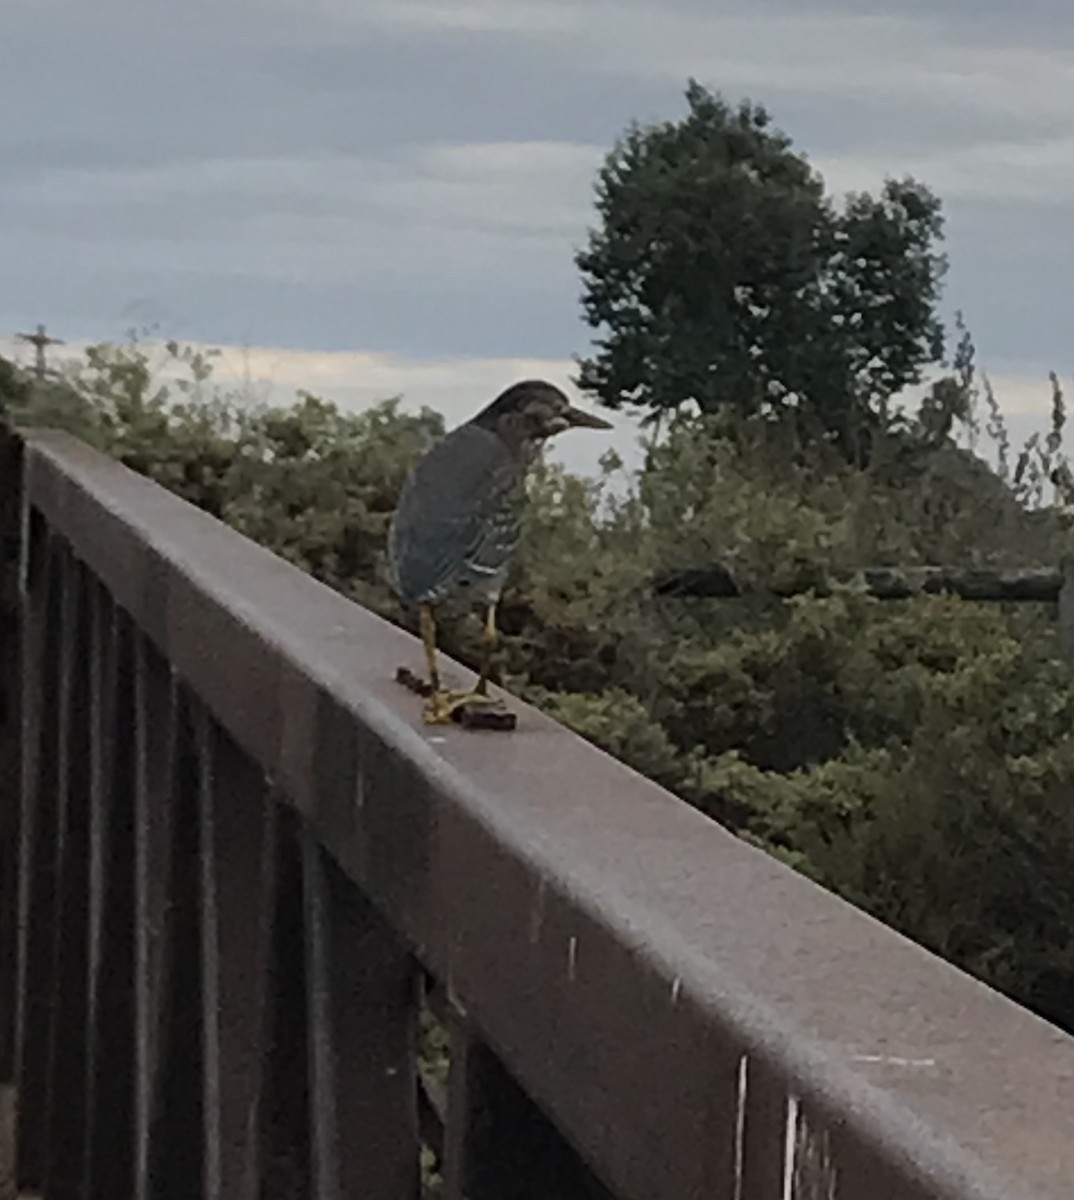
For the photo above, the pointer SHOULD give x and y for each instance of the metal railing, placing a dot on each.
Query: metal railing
(233, 859)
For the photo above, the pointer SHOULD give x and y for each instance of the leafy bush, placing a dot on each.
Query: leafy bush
(915, 756)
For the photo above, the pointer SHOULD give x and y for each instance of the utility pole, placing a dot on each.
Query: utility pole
(39, 339)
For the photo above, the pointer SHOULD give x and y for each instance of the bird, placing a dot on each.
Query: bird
(455, 529)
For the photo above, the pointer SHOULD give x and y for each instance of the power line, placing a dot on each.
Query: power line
(40, 340)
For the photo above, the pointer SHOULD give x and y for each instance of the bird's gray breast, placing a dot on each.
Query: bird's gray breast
(456, 526)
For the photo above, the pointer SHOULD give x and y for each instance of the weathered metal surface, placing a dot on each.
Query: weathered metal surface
(10, 769)
(64, 1114)
(361, 992)
(500, 1146)
(237, 850)
(110, 1031)
(10, 741)
(285, 1102)
(155, 745)
(180, 1106)
(42, 724)
(693, 1018)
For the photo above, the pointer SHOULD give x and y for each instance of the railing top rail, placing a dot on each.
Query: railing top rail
(636, 966)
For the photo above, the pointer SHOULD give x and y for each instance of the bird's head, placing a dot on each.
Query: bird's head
(533, 411)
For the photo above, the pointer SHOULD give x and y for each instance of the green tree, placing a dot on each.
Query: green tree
(720, 272)
(13, 388)
(50, 403)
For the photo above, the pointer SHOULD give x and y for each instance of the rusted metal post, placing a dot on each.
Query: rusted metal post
(237, 861)
(10, 707)
(45, 663)
(110, 1052)
(155, 722)
(498, 1144)
(64, 1114)
(360, 1006)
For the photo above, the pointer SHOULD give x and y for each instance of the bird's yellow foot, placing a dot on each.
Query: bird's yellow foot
(442, 706)
(439, 709)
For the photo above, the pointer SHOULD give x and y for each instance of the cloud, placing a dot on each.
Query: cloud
(833, 52)
(540, 189)
(441, 206)
(526, 17)
(1040, 170)
(464, 241)
(459, 217)
(525, 186)
(414, 175)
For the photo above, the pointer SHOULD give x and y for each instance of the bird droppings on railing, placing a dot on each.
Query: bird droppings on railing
(741, 1084)
(790, 1147)
(453, 1002)
(894, 1060)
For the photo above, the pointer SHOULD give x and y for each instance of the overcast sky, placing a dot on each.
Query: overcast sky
(376, 197)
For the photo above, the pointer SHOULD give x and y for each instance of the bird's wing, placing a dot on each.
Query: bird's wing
(450, 512)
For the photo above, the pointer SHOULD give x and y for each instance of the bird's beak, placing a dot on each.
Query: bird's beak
(578, 418)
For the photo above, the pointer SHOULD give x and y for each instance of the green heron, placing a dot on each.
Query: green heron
(456, 527)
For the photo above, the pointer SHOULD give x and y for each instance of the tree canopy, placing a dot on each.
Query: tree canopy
(719, 271)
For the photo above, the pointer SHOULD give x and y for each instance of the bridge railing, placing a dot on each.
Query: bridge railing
(235, 868)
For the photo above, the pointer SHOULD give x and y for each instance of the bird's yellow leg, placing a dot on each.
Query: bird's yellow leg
(491, 638)
(442, 704)
(479, 693)
(428, 638)
(439, 709)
